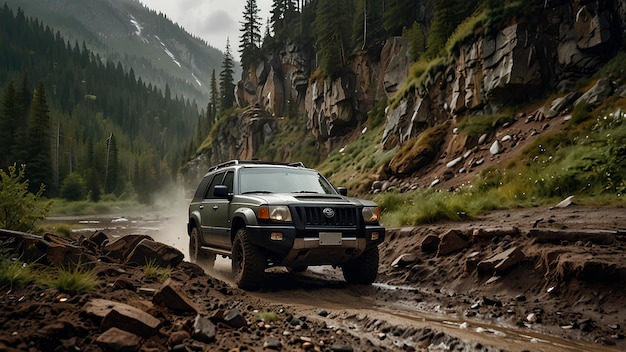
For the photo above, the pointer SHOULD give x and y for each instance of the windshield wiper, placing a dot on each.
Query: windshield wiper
(265, 192)
(311, 192)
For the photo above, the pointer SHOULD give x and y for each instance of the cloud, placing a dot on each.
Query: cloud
(218, 22)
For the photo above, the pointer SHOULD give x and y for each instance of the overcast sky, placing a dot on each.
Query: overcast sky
(211, 20)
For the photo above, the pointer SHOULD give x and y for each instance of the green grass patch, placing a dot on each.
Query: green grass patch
(155, 271)
(267, 316)
(76, 279)
(15, 274)
(477, 125)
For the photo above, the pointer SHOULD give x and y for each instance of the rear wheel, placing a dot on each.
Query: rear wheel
(196, 253)
(248, 262)
(362, 270)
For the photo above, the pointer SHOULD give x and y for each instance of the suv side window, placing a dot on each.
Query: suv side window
(217, 180)
(201, 190)
(229, 180)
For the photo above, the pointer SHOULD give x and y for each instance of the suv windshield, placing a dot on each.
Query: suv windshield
(282, 180)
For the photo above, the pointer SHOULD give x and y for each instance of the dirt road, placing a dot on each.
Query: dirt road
(566, 296)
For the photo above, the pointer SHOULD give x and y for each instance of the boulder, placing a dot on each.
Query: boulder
(501, 261)
(122, 316)
(203, 329)
(158, 253)
(171, 296)
(115, 339)
(430, 243)
(123, 246)
(451, 241)
(596, 94)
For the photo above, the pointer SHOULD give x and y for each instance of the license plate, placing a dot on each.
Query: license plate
(330, 238)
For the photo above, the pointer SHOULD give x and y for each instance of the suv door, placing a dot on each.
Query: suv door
(215, 213)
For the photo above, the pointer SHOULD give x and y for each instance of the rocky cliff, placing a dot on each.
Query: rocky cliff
(484, 74)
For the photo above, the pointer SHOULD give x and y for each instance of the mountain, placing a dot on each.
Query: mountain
(158, 51)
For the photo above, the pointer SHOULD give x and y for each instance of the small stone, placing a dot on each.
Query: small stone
(520, 298)
(495, 148)
(482, 139)
(322, 313)
(531, 318)
(273, 344)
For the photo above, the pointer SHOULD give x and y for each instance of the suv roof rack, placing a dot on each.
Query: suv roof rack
(254, 162)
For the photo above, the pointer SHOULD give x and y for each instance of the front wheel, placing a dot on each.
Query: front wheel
(362, 270)
(248, 262)
(196, 253)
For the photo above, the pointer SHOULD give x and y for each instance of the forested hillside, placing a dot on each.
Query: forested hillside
(83, 125)
(159, 51)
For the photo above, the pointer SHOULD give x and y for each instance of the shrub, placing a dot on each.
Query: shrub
(73, 187)
(20, 209)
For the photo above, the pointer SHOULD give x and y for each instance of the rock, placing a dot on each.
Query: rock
(596, 94)
(495, 148)
(62, 252)
(506, 138)
(123, 246)
(341, 348)
(115, 339)
(160, 254)
(122, 316)
(235, 319)
(501, 261)
(273, 344)
(454, 162)
(404, 260)
(98, 238)
(492, 302)
(451, 241)
(564, 203)
(430, 243)
(483, 233)
(604, 237)
(203, 329)
(178, 337)
(482, 139)
(134, 320)
(171, 296)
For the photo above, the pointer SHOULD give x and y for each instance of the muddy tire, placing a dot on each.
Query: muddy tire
(248, 262)
(196, 254)
(362, 270)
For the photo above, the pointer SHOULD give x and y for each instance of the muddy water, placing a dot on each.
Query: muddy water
(355, 308)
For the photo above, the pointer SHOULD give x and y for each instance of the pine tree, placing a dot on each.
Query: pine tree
(213, 110)
(9, 117)
(112, 170)
(250, 34)
(227, 85)
(281, 12)
(399, 14)
(367, 27)
(332, 29)
(39, 146)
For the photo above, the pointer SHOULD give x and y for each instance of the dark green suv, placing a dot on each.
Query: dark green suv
(263, 214)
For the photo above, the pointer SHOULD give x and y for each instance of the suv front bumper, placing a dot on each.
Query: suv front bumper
(308, 249)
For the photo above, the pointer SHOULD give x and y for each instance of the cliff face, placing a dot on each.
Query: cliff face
(572, 39)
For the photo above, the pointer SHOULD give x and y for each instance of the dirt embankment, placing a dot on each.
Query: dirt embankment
(557, 270)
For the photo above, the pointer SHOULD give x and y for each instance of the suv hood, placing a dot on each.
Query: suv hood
(309, 198)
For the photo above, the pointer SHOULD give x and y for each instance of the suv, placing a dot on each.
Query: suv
(263, 214)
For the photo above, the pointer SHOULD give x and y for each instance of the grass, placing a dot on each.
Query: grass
(153, 270)
(477, 125)
(74, 280)
(588, 161)
(15, 274)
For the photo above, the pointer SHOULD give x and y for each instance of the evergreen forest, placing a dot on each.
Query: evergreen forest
(85, 126)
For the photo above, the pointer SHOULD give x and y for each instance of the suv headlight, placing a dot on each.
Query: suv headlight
(278, 213)
(371, 215)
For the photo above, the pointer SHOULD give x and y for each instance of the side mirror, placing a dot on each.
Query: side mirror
(342, 190)
(221, 191)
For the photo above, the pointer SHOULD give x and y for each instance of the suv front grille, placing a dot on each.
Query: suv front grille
(314, 216)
